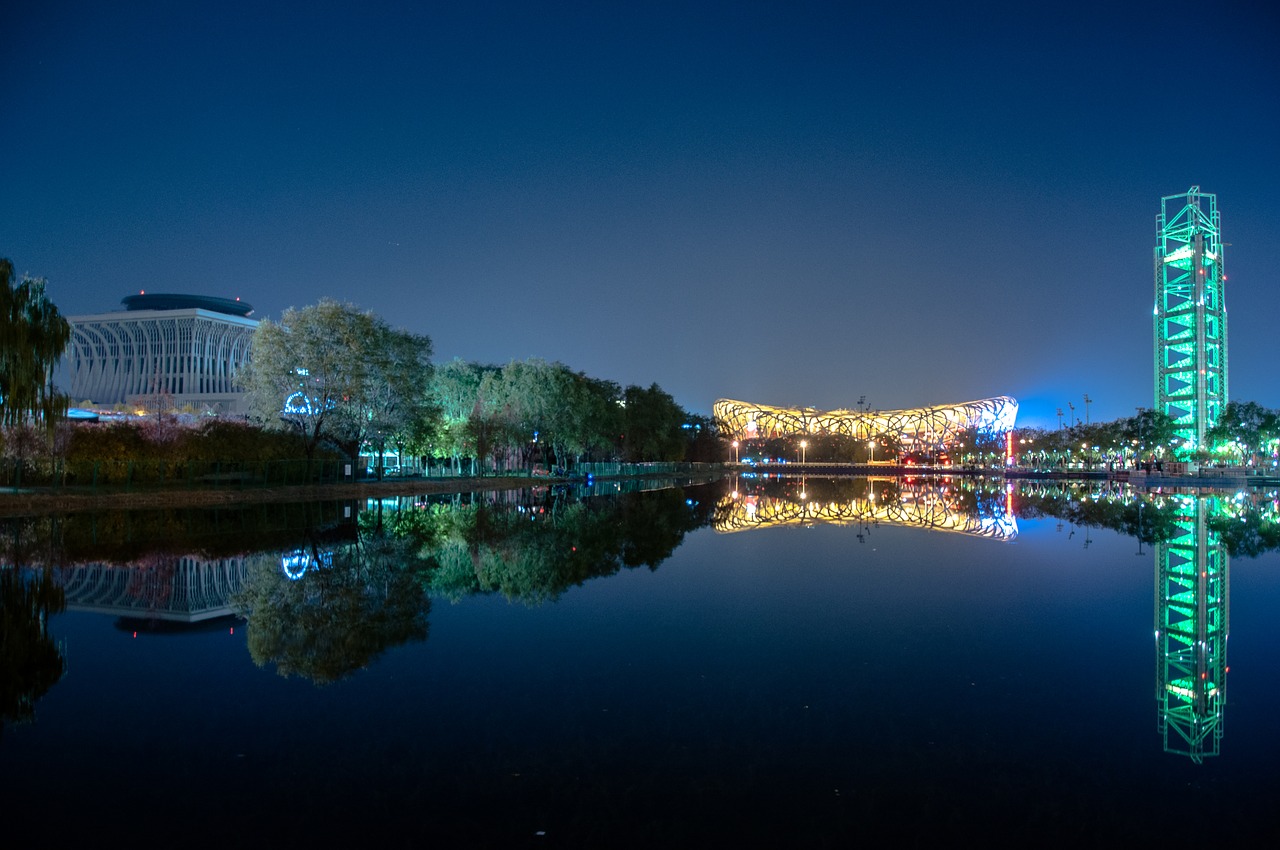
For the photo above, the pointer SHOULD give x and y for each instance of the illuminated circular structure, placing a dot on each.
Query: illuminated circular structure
(922, 427)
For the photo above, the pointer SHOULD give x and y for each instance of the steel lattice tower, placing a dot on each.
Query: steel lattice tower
(1190, 314)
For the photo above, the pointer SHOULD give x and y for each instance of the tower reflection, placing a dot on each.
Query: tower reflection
(1192, 623)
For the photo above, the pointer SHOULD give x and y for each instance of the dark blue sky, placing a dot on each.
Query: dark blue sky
(784, 202)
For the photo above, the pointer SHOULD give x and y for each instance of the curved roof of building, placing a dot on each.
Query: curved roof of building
(174, 301)
(937, 424)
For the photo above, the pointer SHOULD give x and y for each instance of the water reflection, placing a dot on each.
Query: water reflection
(1191, 534)
(1192, 622)
(327, 589)
(329, 613)
(977, 507)
(159, 587)
(31, 662)
(533, 548)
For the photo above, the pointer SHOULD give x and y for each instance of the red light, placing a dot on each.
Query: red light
(135, 634)
(233, 630)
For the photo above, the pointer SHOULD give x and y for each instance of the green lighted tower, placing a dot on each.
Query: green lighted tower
(1190, 315)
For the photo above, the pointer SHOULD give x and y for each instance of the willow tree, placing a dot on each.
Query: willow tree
(33, 335)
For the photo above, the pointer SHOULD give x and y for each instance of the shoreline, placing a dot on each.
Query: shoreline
(41, 502)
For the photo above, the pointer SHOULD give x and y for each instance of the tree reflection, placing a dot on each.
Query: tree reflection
(30, 661)
(349, 605)
(534, 550)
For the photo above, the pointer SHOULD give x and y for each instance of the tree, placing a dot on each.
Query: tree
(1245, 426)
(455, 389)
(652, 422)
(1150, 430)
(332, 371)
(396, 403)
(33, 335)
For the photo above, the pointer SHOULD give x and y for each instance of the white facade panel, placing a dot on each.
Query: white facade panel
(186, 356)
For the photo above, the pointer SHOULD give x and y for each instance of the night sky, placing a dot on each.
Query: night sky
(788, 203)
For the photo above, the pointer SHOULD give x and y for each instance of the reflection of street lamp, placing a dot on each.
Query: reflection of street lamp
(804, 444)
(735, 451)
(1139, 552)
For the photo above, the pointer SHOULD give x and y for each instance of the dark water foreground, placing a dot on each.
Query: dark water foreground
(803, 662)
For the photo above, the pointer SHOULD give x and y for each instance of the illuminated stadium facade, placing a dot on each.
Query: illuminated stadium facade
(163, 352)
(931, 428)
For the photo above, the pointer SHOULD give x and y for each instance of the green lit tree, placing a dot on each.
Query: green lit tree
(1244, 427)
(455, 391)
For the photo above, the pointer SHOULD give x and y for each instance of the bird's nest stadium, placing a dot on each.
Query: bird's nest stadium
(936, 427)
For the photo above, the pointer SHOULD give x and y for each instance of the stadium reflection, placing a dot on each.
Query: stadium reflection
(977, 507)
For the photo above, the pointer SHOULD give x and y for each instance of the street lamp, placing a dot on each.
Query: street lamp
(804, 444)
(735, 451)
(871, 446)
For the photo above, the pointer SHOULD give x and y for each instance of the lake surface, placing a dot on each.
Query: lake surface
(796, 662)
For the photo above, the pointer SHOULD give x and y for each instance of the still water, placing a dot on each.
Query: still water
(796, 662)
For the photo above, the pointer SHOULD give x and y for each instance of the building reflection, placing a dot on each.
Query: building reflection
(1192, 624)
(973, 507)
(1191, 536)
(171, 588)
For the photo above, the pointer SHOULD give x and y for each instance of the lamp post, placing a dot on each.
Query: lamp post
(735, 451)
(804, 444)
(871, 446)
